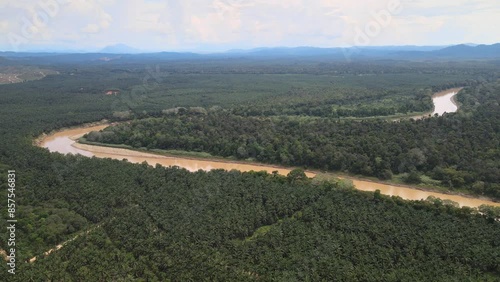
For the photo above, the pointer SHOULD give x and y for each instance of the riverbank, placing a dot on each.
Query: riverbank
(434, 96)
(190, 163)
(194, 156)
(40, 139)
(310, 173)
(423, 188)
(64, 141)
(454, 98)
(448, 104)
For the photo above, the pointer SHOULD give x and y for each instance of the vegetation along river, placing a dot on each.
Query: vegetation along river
(65, 142)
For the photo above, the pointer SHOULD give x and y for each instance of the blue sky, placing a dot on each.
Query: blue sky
(213, 25)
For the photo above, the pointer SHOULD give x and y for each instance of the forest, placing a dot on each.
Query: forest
(135, 222)
(459, 151)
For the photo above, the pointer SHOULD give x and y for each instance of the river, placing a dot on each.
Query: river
(64, 142)
(444, 101)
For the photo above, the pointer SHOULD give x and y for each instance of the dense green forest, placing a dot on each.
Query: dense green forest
(176, 225)
(126, 222)
(459, 150)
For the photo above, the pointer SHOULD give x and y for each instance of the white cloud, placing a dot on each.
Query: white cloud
(167, 24)
(4, 27)
(91, 28)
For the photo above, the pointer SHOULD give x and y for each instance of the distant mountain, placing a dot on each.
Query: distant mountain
(405, 48)
(120, 49)
(125, 53)
(467, 51)
(456, 52)
(295, 51)
(336, 52)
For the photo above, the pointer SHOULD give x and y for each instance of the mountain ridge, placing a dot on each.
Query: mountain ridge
(406, 52)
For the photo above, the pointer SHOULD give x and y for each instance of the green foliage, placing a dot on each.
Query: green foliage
(457, 150)
(413, 178)
(296, 175)
(177, 219)
(161, 224)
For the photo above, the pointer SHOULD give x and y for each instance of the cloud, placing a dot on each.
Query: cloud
(4, 27)
(92, 14)
(175, 24)
(91, 28)
(146, 16)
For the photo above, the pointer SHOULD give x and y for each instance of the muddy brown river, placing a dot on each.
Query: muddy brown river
(444, 101)
(64, 142)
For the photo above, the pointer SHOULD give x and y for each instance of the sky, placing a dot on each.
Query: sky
(217, 25)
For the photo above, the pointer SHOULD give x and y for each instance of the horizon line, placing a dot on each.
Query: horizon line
(243, 49)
